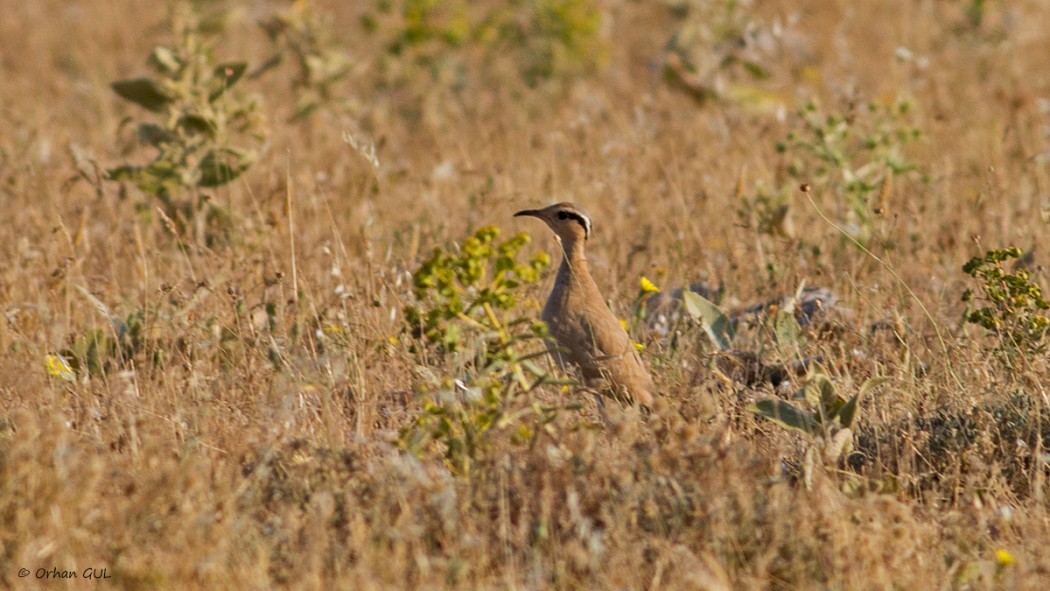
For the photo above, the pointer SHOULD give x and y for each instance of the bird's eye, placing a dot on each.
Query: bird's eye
(562, 215)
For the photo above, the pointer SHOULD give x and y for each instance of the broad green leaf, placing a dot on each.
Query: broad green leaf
(269, 64)
(226, 75)
(872, 383)
(756, 70)
(143, 92)
(164, 59)
(197, 124)
(152, 134)
(215, 21)
(96, 352)
(786, 329)
(160, 179)
(786, 415)
(124, 173)
(820, 395)
(717, 325)
(90, 351)
(305, 107)
(221, 166)
(849, 411)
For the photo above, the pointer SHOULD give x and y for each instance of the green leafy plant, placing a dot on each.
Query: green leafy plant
(767, 212)
(785, 329)
(545, 39)
(776, 319)
(717, 325)
(197, 123)
(820, 413)
(303, 36)
(1007, 303)
(430, 20)
(467, 318)
(96, 350)
(717, 47)
(855, 155)
(556, 36)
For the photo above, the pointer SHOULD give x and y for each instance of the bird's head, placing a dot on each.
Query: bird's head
(570, 223)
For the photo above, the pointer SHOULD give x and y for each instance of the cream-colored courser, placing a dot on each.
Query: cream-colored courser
(588, 334)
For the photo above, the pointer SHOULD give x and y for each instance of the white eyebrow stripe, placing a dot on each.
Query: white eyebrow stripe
(582, 219)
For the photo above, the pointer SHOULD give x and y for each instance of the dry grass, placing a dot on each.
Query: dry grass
(257, 454)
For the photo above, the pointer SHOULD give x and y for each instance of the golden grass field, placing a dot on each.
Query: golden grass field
(250, 439)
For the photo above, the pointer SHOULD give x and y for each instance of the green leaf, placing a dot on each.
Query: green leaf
(165, 60)
(227, 75)
(786, 415)
(755, 70)
(717, 325)
(214, 22)
(786, 329)
(160, 179)
(152, 134)
(221, 166)
(195, 123)
(820, 395)
(124, 173)
(872, 383)
(268, 65)
(849, 411)
(143, 92)
(304, 108)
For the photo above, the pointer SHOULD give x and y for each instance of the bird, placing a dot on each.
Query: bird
(587, 334)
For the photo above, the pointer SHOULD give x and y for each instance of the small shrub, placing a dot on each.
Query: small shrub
(556, 37)
(468, 317)
(303, 36)
(767, 212)
(1007, 304)
(96, 351)
(198, 123)
(546, 39)
(717, 47)
(720, 329)
(820, 413)
(855, 155)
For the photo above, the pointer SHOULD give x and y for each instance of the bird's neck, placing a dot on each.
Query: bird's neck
(573, 262)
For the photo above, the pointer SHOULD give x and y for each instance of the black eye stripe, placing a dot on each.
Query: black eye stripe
(567, 215)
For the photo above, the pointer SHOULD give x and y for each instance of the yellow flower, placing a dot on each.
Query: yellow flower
(648, 286)
(638, 346)
(58, 367)
(1004, 558)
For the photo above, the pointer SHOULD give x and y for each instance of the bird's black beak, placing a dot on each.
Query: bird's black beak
(529, 212)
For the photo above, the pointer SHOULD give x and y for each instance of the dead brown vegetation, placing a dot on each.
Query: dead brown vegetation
(249, 439)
